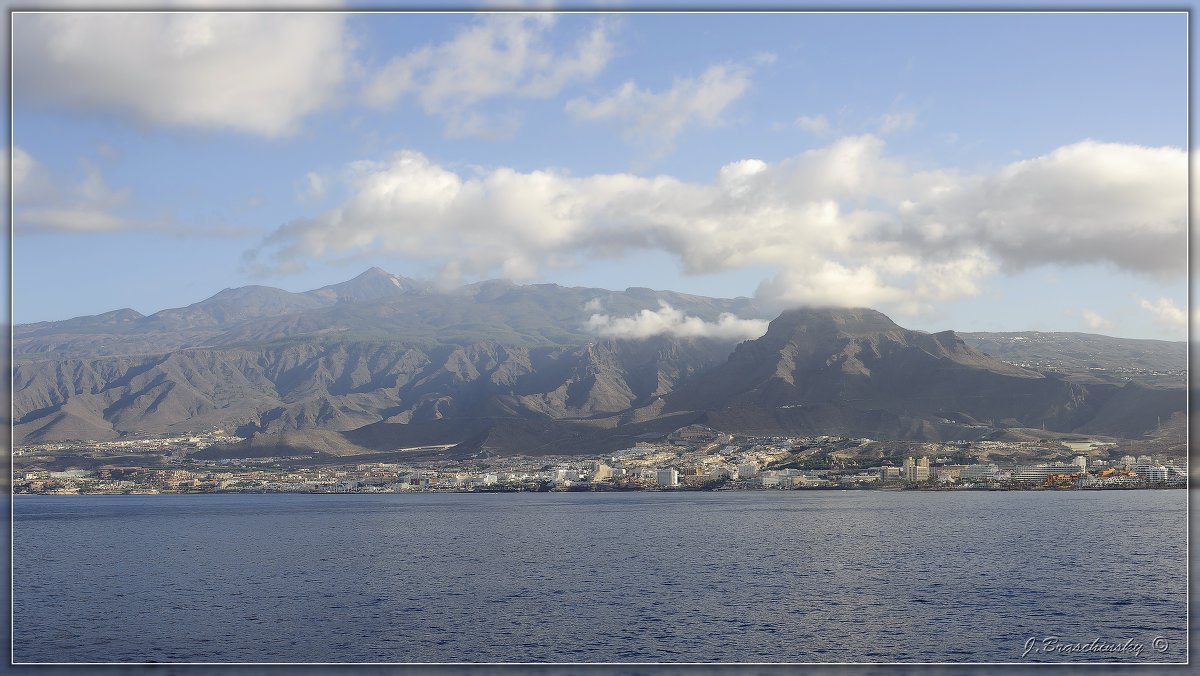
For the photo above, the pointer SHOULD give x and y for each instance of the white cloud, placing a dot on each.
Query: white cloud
(312, 188)
(29, 179)
(669, 321)
(316, 184)
(1095, 321)
(254, 73)
(1088, 202)
(1166, 314)
(897, 121)
(657, 118)
(814, 124)
(499, 55)
(94, 189)
(845, 224)
(48, 203)
(895, 280)
(819, 282)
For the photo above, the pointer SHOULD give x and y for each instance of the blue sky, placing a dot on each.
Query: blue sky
(966, 171)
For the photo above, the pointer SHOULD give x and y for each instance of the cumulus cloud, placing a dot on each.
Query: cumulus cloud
(845, 224)
(657, 118)
(671, 322)
(498, 55)
(894, 280)
(1166, 314)
(1088, 202)
(1095, 321)
(254, 73)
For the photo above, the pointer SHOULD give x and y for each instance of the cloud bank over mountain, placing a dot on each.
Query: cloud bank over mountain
(847, 224)
(669, 321)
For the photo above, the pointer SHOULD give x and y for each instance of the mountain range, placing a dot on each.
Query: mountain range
(381, 364)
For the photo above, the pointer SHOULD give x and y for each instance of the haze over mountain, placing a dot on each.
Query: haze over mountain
(373, 306)
(380, 363)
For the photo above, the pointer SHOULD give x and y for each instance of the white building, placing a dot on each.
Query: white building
(977, 472)
(747, 470)
(1149, 472)
(1038, 473)
(667, 477)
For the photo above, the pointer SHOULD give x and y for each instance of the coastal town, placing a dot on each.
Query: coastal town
(691, 458)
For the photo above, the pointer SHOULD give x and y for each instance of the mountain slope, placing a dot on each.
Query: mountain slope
(345, 386)
(856, 372)
(380, 362)
(1087, 356)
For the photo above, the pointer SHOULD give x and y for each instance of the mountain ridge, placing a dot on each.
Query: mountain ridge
(380, 362)
(373, 305)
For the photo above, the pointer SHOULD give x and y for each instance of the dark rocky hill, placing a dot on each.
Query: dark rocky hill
(836, 371)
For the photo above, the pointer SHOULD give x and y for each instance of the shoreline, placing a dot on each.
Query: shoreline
(822, 489)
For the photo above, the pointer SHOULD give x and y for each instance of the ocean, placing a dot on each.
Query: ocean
(727, 576)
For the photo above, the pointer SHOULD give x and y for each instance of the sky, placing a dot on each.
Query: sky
(967, 171)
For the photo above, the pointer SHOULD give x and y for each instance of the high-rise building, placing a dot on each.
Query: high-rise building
(915, 470)
(667, 477)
